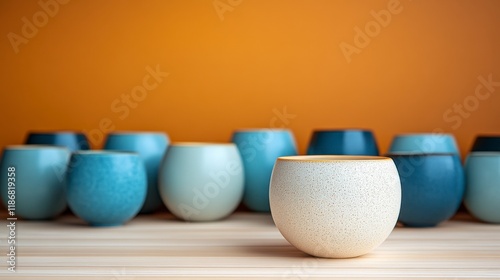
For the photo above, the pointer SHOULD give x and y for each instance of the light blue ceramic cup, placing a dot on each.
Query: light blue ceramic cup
(106, 188)
(424, 143)
(482, 194)
(201, 181)
(151, 147)
(259, 149)
(34, 175)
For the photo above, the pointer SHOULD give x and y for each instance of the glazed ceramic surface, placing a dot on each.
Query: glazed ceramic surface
(201, 181)
(335, 206)
(432, 187)
(38, 178)
(424, 143)
(151, 147)
(259, 150)
(482, 196)
(486, 143)
(106, 188)
(343, 142)
(74, 141)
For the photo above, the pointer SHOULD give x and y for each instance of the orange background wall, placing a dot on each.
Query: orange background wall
(238, 67)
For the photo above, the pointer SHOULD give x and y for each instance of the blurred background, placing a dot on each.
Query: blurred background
(200, 69)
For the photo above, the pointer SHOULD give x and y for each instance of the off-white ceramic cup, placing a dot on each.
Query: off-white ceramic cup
(335, 206)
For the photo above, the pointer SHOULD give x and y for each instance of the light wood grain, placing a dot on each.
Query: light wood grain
(244, 245)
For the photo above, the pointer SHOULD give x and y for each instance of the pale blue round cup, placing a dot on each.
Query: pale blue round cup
(201, 181)
(482, 193)
(35, 175)
(106, 188)
(424, 143)
(151, 147)
(259, 149)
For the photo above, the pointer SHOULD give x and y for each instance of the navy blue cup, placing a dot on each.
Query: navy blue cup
(74, 141)
(343, 142)
(432, 187)
(486, 143)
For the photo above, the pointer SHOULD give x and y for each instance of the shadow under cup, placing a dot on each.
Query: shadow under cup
(343, 142)
(32, 177)
(432, 187)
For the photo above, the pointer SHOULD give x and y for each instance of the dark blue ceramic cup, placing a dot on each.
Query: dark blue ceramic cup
(343, 142)
(432, 187)
(74, 141)
(106, 188)
(486, 143)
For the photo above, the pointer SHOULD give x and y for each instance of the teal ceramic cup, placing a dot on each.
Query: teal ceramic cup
(259, 149)
(32, 178)
(482, 193)
(151, 147)
(343, 142)
(432, 187)
(424, 143)
(106, 188)
(201, 181)
(72, 140)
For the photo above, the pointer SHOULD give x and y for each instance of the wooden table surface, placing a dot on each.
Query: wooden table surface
(244, 245)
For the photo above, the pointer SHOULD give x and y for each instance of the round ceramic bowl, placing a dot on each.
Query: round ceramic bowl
(201, 181)
(335, 206)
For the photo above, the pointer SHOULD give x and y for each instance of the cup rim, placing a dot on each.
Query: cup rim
(131, 133)
(261, 129)
(400, 154)
(484, 154)
(423, 134)
(56, 132)
(322, 130)
(487, 136)
(103, 153)
(200, 144)
(31, 147)
(331, 158)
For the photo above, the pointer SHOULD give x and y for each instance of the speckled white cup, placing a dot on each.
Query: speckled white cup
(335, 206)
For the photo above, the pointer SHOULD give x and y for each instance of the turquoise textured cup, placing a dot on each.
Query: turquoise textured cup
(106, 188)
(201, 181)
(424, 143)
(482, 194)
(72, 140)
(151, 147)
(34, 174)
(259, 149)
